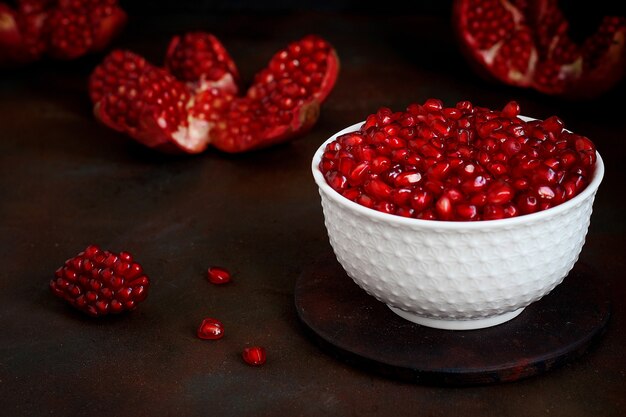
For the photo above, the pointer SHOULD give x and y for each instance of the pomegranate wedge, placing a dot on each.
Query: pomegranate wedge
(526, 44)
(62, 29)
(283, 101)
(147, 103)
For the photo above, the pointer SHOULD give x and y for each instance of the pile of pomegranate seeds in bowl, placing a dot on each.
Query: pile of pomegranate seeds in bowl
(461, 163)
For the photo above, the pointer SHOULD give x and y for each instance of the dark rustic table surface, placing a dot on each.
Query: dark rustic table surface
(66, 181)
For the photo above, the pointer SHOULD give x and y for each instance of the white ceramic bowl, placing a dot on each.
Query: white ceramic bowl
(455, 275)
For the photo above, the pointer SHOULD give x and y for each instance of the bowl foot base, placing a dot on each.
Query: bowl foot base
(457, 324)
(356, 328)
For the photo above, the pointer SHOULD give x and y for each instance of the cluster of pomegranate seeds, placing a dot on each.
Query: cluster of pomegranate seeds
(254, 355)
(459, 163)
(99, 282)
(211, 329)
(217, 275)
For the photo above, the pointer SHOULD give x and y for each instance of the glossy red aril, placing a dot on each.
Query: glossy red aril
(211, 329)
(63, 29)
(484, 165)
(99, 282)
(527, 44)
(217, 275)
(254, 355)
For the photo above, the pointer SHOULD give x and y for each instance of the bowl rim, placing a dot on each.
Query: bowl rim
(591, 188)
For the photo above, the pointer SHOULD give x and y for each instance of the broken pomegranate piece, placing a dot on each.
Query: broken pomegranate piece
(21, 39)
(160, 111)
(463, 163)
(147, 103)
(62, 29)
(99, 282)
(283, 101)
(526, 44)
(78, 27)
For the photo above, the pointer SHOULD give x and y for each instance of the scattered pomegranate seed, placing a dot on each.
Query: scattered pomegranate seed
(464, 163)
(211, 329)
(217, 275)
(254, 355)
(99, 282)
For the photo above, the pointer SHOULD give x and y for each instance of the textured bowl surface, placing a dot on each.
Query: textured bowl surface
(456, 275)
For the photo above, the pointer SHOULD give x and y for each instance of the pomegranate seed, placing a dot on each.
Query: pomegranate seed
(406, 179)
(254, 355)
(511, 110)
(500, 193)
(365, 200)
(439, 170)
(380, 164)
(493, 212)
(359, 173)
(467, 211)
(421, 200)
(444, 208)
(337, 180)
(345, 166)
(527, 204)
(510, 210)
(553, 125)
(433, 105)
(217, 275)
(378, 189)
(385, 207)
(543, 174)
(405, 212)
(351, 193)
(211, 329)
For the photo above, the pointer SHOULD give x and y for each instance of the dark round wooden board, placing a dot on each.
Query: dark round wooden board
(355, 327)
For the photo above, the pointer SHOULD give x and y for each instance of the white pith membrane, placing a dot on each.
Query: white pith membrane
(226, 84)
